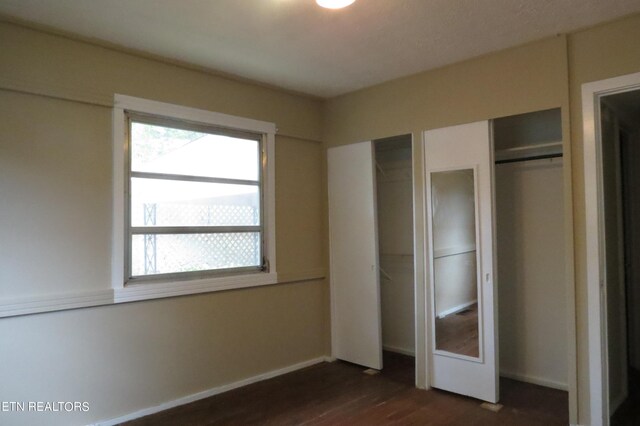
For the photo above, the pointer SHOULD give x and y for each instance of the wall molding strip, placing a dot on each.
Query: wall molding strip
(26, 305)
(10, 307)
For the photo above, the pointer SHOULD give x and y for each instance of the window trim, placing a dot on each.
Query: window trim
(174, 285)
(134, 117)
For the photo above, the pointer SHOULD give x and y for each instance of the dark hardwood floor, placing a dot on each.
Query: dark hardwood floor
(628, 414)
(339, 393)
(458, 332)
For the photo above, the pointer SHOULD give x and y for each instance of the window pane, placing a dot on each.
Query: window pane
(168, 253)
(160, 149)
(156, 202)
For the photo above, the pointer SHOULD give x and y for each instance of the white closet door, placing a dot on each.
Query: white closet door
(355, 283)
(461, 278)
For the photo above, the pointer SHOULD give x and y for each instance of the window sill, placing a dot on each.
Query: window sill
(136, 292)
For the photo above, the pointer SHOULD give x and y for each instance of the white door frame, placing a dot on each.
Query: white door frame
(421, 303)
(422, 379)
(356, 328)
(595, 241)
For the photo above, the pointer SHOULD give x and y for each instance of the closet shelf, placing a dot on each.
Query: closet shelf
(400, 255)
(532, 147)
(525, 152)
(453, 251)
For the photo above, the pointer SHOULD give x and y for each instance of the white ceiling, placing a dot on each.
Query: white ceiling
(299, 46)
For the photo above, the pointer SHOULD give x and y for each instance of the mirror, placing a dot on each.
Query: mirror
(454, 262)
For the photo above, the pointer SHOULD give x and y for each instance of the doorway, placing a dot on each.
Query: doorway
(394, 204)
(611, 114)
(620, 136)
(530, 224)
(372, 239)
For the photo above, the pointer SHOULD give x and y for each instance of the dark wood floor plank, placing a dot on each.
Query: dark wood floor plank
(458, 332)
(628, 414)
(340, 393)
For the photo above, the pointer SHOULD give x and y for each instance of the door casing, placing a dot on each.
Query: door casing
(595, 239)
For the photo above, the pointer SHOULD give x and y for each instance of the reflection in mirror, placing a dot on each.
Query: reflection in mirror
(454, 261)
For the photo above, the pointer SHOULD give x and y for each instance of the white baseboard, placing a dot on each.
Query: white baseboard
(535, 380)
(456, 309)
(211, 392)
(399, 350)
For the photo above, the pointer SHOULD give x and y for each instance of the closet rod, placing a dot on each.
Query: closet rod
(381, 170)
(384, 273)
(533, 157)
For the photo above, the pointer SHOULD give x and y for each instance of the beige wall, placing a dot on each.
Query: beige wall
(527, 78)
(57, 65)
(55, 186)
(128, 357)
(531, 271)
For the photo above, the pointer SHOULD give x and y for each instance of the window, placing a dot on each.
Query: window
(197, 197)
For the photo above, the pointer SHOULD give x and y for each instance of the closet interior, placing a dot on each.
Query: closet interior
(530, 243)
(394, 192)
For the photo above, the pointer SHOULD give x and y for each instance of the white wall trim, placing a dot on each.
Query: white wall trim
(211, 392)
(540, 381)
(41, 303)
(132, 293)
(595, 242)
(399, 350)
(308, 275)
(52, 88)
(457, 308)
(10, 307)
(422, 302)
(131, 103)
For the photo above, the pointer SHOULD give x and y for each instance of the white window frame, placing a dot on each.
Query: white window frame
(132, 291)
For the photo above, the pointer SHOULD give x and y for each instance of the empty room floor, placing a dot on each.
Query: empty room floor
(629, 412)
(458, 332)
(340, 393)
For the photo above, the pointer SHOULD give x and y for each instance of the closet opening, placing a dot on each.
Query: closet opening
(394, 205)
(530, 251)
(620, 156)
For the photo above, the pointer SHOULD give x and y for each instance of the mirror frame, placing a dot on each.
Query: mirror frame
(431, 273)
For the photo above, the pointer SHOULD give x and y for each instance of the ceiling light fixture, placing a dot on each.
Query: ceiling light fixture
(334, 4)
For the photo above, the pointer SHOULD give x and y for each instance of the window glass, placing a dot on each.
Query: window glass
(166, 150)
(170, 253)
(158, 202)
(195, 199)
